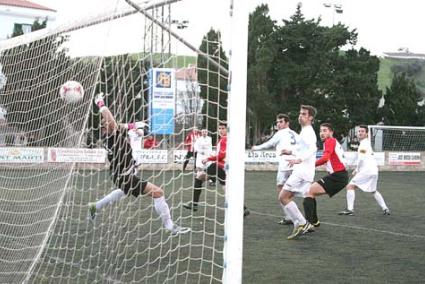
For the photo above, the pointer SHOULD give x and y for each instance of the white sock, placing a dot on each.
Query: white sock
(351, 196)
(162, 209)
(295, 213)
(380, 200)
(285, 214)
(112, 197)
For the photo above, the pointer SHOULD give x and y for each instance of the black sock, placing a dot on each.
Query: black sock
(315, 218)
(309, 208)
(197, 191)
(185, 164)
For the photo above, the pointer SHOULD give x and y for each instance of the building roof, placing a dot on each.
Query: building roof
(25, 4)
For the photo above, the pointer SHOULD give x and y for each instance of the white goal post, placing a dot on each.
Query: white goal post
(53, 164)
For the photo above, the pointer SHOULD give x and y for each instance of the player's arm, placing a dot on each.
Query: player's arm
(107, 117)
(272, 142)
(305, 154)
(221, 155)
(329, 149)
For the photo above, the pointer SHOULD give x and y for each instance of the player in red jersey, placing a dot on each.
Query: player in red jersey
(214, 167)
(334, 182)
(189, 142)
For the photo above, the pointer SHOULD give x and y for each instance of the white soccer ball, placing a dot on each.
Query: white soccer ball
(71, 92)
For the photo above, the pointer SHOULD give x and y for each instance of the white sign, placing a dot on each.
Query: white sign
(151, 156)
(404, 159)
(77, 155)
(21, 155)
(178, 156)
(351, 158)
(261, 157)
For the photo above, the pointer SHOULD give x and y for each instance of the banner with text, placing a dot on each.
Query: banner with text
(77, 155)
(162, 100)
(151, 156)
(21, 155)
(404, 159)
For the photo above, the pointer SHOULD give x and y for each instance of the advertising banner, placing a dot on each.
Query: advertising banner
(162, 100)
(77, 155)
(21, 155)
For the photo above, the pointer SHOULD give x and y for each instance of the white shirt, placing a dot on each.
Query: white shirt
(135, 139)
(306, 151)
(203, 148)
(284, 139)
(366, 163)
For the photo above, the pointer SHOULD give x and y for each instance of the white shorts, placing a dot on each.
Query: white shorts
(297, 185)
(282, 177)
(365, 182)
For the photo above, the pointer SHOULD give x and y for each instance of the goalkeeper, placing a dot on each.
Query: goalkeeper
(123, 170)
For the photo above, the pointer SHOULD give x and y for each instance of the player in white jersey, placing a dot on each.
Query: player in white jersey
(365, 176)
(284, 138)
(303, 171)
(203, 149)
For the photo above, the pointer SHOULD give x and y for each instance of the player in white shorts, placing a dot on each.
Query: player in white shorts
(203, 149)
(302, 176)
(365, 176)
(284, 138)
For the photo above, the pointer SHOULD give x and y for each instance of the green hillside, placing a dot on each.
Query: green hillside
(385, 74)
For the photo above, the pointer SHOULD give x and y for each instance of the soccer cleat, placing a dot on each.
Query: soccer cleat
(285, 221)
(191, 206)
(246, 212)
(309, 228)
(316, 224)
(211, 182)
(92, 211)
(346, 212)
(387, 212)
(300, 230)
(177, 230)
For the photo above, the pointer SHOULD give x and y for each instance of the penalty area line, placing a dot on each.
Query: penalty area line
(353, 227)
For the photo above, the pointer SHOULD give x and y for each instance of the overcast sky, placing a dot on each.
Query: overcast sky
(381, 25)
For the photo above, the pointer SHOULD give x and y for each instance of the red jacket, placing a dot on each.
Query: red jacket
(220, 158)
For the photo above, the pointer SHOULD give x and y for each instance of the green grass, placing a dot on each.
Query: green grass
(127, 244)
(385, 75)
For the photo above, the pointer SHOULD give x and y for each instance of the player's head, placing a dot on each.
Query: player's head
(222, 128)
(307, 114)
(362, 132)
(282, 121)
(326, 131)
(204, 132)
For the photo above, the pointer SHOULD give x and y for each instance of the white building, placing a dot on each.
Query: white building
(23, 13)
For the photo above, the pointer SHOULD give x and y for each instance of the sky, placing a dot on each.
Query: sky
(382, 26)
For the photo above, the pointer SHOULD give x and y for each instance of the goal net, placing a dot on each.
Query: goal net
(53, 163)
(397, 138)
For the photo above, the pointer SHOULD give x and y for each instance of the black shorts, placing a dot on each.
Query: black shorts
(130, 184)
(214, 170)
(334, 182)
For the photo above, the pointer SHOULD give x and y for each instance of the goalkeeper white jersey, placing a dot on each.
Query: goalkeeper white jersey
(306, 151)
(284, 139)
(366, 162)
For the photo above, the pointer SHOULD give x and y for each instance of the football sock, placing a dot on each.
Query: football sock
(380, 200)
(112, 197)
(197, 191)
(351, 196)
(308, 204)
(295, 213)
(285, 214)
(315, 217)
(162, 209)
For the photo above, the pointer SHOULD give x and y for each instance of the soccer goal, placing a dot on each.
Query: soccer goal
(397, 138)
(53, 164)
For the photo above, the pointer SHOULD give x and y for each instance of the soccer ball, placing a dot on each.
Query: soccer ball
(71, 92)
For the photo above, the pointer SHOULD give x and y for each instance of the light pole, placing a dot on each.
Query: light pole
(336, 9)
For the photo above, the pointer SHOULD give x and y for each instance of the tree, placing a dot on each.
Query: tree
(401, 103)
(310, 68)
(17, 29)
(213, 81)
(262, 48)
